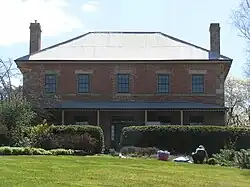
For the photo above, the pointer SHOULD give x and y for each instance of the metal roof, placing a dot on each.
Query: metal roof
(123, 46)
(135, 105)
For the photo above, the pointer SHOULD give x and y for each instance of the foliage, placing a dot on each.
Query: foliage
(62, 151)
(227, 157)
(78, 141)
(237, 100)
(15, 114)
(240, 20)
(185, 139)
(212, 161)
(139, 151)
(87, 138)
(38, 136)
(242, 158)
(33, 151)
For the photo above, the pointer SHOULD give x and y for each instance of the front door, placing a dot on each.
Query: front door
(118, 122)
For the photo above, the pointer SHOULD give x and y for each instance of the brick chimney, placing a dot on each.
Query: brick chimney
(215, 40)
(35, 37)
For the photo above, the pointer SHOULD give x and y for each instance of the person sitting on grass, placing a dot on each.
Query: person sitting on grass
(200, 155)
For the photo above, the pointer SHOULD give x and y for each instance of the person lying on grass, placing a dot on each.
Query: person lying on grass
(200, 155)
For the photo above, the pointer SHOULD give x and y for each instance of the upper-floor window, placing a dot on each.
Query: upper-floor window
(163, 84)
(123, 83)
(83, 83)
(198, 83)
(50, 83)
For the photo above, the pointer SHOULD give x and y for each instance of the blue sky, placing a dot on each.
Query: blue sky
(62, 20)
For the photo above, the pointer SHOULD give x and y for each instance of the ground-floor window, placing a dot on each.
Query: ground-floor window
(81, 120)
(196, 120)
(165, 120)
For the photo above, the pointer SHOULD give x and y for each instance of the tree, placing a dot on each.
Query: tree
(15, 112)
(237, 100)
(8, 72)
(241, 20)
(15, 115)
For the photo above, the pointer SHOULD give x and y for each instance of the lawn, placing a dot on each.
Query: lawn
(108, 171)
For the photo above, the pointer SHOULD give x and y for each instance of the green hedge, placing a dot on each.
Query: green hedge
(185, 139)
(33, 151)
(78, 137)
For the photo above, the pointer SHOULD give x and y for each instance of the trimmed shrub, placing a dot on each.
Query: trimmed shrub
(185, 139)
(90, 139)
(6, 151)
(33, 151)
(38, 136)
(62, 152)
(138, 151)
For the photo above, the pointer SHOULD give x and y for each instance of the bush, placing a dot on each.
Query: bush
(5, 151)
(38, 136)
(226, 157)
(78, 141)
(242, 158)
(15, 114)
(212, 161)
(33, 151)
(90, 139)
(62, 152)
(233, 158)
(138, 151)
(185, 139)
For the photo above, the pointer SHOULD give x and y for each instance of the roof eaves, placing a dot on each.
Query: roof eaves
(137, 105)
(25, 58)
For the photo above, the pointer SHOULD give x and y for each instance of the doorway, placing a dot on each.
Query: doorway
(117, 124)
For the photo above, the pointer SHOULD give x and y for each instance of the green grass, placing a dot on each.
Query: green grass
(108, 171)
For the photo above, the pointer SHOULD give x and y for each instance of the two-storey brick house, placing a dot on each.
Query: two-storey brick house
(115, 78)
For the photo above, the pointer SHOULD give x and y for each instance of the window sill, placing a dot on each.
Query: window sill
(87, 93)
(123, 94)
(198, 93)
(49, 94)
(167, 93)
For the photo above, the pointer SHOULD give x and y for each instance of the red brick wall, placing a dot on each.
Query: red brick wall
(143, 80)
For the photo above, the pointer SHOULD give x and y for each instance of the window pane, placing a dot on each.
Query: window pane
(163, 83)
(197, 83)
(83, 83)
(123, 83)
(50, 83)
(196, 119)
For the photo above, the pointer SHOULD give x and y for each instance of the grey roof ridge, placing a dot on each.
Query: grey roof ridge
(26, 57)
